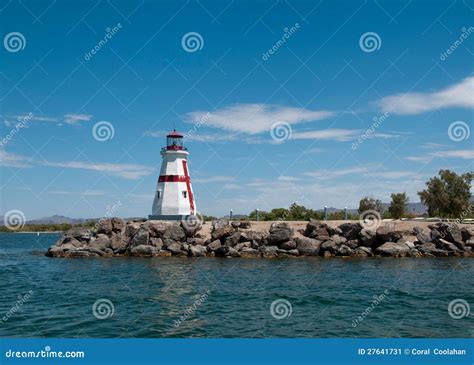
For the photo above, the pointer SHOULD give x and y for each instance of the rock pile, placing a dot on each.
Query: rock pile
(116, 237)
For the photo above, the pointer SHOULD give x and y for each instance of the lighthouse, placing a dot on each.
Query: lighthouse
(174, 198)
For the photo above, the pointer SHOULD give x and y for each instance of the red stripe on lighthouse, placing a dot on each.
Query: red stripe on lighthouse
(188, 186)
(172, 178)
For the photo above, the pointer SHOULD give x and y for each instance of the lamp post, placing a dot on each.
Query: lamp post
(257, 214)
(230, 215)
(345, 213)
(325, 212)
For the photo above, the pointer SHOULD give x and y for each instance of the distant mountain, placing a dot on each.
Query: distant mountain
(59, 219)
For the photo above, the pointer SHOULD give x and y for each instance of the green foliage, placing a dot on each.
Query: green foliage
(398, 205)
(448, 195)
(370, 203)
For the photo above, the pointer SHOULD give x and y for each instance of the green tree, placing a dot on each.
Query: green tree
(370, 203)
(398, 205)
(448, 195)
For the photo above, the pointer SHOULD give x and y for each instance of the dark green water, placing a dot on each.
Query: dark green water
(150, 295)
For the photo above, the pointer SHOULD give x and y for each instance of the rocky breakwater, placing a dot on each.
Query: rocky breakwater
(116, 237)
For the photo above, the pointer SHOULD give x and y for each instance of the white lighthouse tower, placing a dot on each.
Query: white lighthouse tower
(174, 198)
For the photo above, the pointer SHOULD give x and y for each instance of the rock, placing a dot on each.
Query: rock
(269, 251)
(467, 233)
(80, 233)
(197, 251)
(367, 237)
(339, 240)
(249, 253)
(196, 241)
(140, 238)
(393, 249)
(132, 228)
(163, 253)
(307, 246)
(423, 238)
(350, 230)
(242, 245)
(105, 226)
(233, 252)
(156, 242)
(352, 244)
(328, 246)
(231, 241)
(222, 233)
(469, 243)
(288, 245)
(214, 245)
(363, 251)
(191, 226)
(446, 245)
(235, 224)
(175, 232)
(250, 235)
(157, 228)
(222, 251)
(118, 224)
(119, 243)
(80, 253)
(279, 232)
(71, 241)
(343, 250)
(385, 234)
(245, 224)
(101, 242)
(449, 232)
(143, 250)
(218, 224)
(173, 247)
(417, 230)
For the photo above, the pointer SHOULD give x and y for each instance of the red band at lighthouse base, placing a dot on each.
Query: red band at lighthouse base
(173, 178)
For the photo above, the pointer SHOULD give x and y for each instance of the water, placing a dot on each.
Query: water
(228, 297)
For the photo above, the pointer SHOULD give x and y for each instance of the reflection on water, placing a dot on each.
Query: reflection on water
(207, 297)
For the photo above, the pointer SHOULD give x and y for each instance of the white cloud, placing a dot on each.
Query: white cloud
(213, 179)
(126, 171)
(254, 118)
(464, 154)
(84, 193)
(8, 159)
(76, 118)
(288, 178)
(331, 174)
(457, 95)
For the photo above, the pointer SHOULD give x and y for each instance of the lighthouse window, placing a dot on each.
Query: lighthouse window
(184, 194)
(158, 194)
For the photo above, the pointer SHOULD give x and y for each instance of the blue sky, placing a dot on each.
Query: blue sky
(354, 99)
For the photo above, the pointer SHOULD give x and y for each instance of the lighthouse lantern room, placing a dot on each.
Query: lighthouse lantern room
(174, 198)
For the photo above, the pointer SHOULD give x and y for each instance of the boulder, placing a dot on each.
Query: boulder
(343, 250)
(81, 253)
(449, 232)
(231, 241)
(140, 238)
(196, 241)
(328, 246)
(119, 243)
(242, 245)
(222, 251)
(350, 230)
(156, 242)
(197, 251)
(245, 224)
(249, 253)
(279, 232)
(191, 226)
(105, 226)
(118, 224)
(385, 234)
(447, 246)
(222, 233)
(233, 252)
(157, 228)
(288, 245)
(253, 236)
(352, 244)
(79, 233)
(395, 249)
(467, 233)
(308, 246)
(173, 247)
(132, 228)
(143, 250)
(214, 245)
(269, 251)
(363, 251)
(101, 242)
(423, 238)
(175, 232)
(367, 237)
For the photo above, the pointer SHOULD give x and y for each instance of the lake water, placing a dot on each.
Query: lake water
(214, 297)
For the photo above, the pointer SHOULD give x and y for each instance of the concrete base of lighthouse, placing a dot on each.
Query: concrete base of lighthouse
(167, 217)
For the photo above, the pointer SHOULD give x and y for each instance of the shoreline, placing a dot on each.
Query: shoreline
(116, 237)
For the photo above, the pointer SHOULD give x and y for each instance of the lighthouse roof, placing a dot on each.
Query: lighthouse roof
(175, 134)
